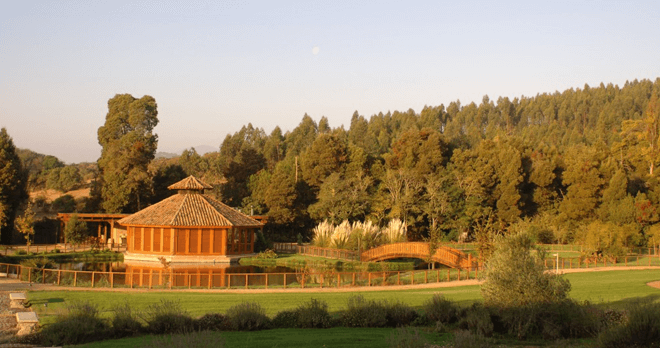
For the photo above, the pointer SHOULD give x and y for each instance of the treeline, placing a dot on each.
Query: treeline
(576, 166)
(48, 172)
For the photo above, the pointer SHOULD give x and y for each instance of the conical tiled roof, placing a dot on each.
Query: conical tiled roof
(190, 183)
(189, 210)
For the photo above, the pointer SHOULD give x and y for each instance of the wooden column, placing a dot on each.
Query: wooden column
(199, 241)
(212, 241)
(187, 241)
(173, 236)
(141, 243)
(152, 240)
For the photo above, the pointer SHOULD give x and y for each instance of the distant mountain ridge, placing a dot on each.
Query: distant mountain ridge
(201, 150)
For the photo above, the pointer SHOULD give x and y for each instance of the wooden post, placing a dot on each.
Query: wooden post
(75, 278)
(189, 281)
(59, 276)
(246, 280)
(93, 273)
(284, 280)
(448, 275)
(228, 281)
(338, 279)
(459, 274)
(112, 280)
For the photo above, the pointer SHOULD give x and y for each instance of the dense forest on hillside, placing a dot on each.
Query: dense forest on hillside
(572, 166)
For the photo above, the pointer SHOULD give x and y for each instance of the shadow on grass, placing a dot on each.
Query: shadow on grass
(628, 302)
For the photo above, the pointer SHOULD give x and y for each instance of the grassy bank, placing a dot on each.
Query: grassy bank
(301, 261)
(57, 257)
(615, 288)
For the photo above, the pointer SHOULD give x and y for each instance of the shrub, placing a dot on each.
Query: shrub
(80, 323)
(440, 309)
(466, 339)
(286, 319)
(642, 329)
(477, 319)
(400, 314)
(202, 339)
(247, 316)
(124, 323)
(167, 317)
(407, 338)
(314, 314)
(212, 322)
(267, 254)
(363, 313)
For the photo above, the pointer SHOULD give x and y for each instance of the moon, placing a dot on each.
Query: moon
(315, 50)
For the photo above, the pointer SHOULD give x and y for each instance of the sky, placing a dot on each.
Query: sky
(215, 66)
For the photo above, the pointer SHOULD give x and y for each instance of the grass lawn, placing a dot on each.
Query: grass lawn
(294, 338)
(613, 287)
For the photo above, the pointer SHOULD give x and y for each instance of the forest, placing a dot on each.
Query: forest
(577, 166)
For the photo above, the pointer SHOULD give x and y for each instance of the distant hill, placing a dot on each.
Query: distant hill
(203, 149)
(165, 155)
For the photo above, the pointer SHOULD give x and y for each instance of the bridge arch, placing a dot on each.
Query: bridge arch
(445, 255)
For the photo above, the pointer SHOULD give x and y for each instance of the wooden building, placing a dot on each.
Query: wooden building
(189, 227)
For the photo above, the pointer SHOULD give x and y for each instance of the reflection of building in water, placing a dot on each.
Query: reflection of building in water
(189, 227)
(143, 274)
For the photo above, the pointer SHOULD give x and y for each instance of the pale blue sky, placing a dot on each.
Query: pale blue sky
(214, 66)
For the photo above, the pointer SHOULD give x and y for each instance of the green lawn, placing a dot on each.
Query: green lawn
(614, 287)
(289, 338)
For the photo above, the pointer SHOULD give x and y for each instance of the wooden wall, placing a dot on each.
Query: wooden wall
(190, 241)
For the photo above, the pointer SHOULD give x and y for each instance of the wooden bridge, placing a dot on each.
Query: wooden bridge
(420, 250)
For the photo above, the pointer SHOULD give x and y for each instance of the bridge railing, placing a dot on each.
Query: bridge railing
(448, 256)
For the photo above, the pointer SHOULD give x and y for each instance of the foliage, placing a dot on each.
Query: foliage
(128, 146)
(286, 318)
(439, 309)
(407, 338)
(314, 315)
(75, 230)
(266, 255)
(361, 312)
(13, 186)
(213, 322)
(400, 314)
(467, 339)
(515, 276)
(477, 320)
(64, 204)
(80, 323)
(641, 329)
(25, 224)
(247, 316)
(124, 322)
(167, 317)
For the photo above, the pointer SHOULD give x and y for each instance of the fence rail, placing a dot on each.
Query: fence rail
(6, 250)
(331, 253)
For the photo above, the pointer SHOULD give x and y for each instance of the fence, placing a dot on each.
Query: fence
(330, 253)
(164, 279)
(577, 262)
(6, 250)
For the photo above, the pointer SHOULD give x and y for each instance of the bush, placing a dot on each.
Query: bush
(400, 314)
(124, 323)
(202, 339)
(642, 329)
(314, 314)
(167, 317)
(363, 313)
(286, 319)
(213, 322)
(247, 316)
(477, 320)
(266, 255)
(80, 323)
(466, 339)
(407, 338)
(440, 309)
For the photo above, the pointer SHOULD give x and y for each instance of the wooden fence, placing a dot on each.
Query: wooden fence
(330, 253)
(163, 279)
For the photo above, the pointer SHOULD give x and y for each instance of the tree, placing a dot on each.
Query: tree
(13, 186)
(515, 275)
(75, 230)
(25, 224)
(128, 147)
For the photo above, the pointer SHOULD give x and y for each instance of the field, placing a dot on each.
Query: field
(612, 288)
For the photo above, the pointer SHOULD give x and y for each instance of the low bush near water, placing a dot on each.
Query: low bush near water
(247, 316)
(80, 323)
(167, 317)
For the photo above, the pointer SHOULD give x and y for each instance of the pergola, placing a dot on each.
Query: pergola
(189, 227)
(108, 229)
